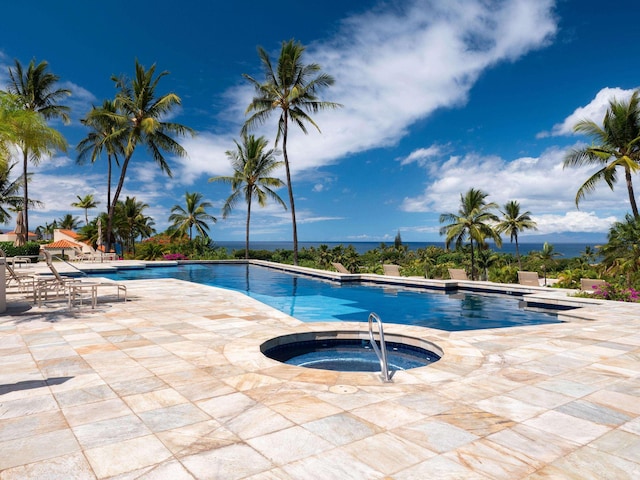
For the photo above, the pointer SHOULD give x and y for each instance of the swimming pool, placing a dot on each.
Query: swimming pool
(312, 300)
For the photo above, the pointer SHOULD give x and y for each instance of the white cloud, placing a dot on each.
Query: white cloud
(594, 111)
(422, 155)
(541, 185)
(575, 221)
(393, 66)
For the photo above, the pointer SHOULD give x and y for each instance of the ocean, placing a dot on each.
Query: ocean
(568, 250)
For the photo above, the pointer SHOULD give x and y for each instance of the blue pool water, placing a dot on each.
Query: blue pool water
(311, 299)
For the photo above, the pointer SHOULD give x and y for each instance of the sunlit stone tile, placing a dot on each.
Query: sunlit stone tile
(34, 448)
(197, 437)
(289, 445)
(341, 429)
(232, 462)
(436, 436)
(388, 414)
(96, 411)
(153, 400)
(66, 467)
(387, 452)
(475, 420)
(442, 468)
(131, 454)
(567, 426)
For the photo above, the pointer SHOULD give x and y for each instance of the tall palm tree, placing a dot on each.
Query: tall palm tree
(617, 146)
(139, 118)
(194, 215)
(85, 203)
(36, 91)
(102, 137)
(291, 88)
(252, 166)
(69, 222)
(473, 221)
(514, 222)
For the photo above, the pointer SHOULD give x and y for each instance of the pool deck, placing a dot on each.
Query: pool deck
(172, 385)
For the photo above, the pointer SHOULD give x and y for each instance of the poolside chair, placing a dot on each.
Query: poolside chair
(339, 267)
(24, 281)
(529, 279)
(391, 270)
(590, 284)
(458, 274)
(73, 288)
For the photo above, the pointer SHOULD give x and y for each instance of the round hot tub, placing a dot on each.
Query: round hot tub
(346, 351)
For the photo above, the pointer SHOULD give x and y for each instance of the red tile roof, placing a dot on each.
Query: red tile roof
(62, 244)
(69, 233)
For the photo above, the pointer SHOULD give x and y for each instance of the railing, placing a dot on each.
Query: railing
(83, 273)
(381, 351)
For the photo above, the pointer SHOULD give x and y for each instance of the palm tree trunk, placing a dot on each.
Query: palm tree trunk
(112, 207)
(518, 253)
(290, 188)
(246, 245)
(473, 269)
(25, 206)
(632, 197)
(108, 181)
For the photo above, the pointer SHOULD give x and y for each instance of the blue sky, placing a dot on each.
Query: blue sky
(439, 96)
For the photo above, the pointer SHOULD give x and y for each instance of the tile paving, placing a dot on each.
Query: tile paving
(172, 384)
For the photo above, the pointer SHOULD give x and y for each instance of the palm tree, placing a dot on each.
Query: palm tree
(292, 90)
(9, 192)
(472, 221)
(131, 222)
(617, 146)
(69, 222)
(36, 91)
(514, 222)
(548, 255)
(139, 114)
(252, 167)
(102, 137)
(195, 215)
(85, 203)
(621, 253)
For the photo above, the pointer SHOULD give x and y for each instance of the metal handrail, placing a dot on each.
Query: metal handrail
(381, 351)
(82, 272)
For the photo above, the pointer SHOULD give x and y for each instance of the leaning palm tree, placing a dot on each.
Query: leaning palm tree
(36, 91)
(194, 215)
(514, 222)
(548, 256)
(102, 137)
(473, 221)
(139, 119)
(252, 165)
(617, 146)
(85, 203)
(291, 88)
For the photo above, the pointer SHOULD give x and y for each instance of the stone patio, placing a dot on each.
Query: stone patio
(172, 385)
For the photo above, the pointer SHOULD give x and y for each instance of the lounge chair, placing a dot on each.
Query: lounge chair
(391, 270)
(458, 274)
(590, 284)
(24, 281)
(529, 279)
(339, 267)
(72, 288)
